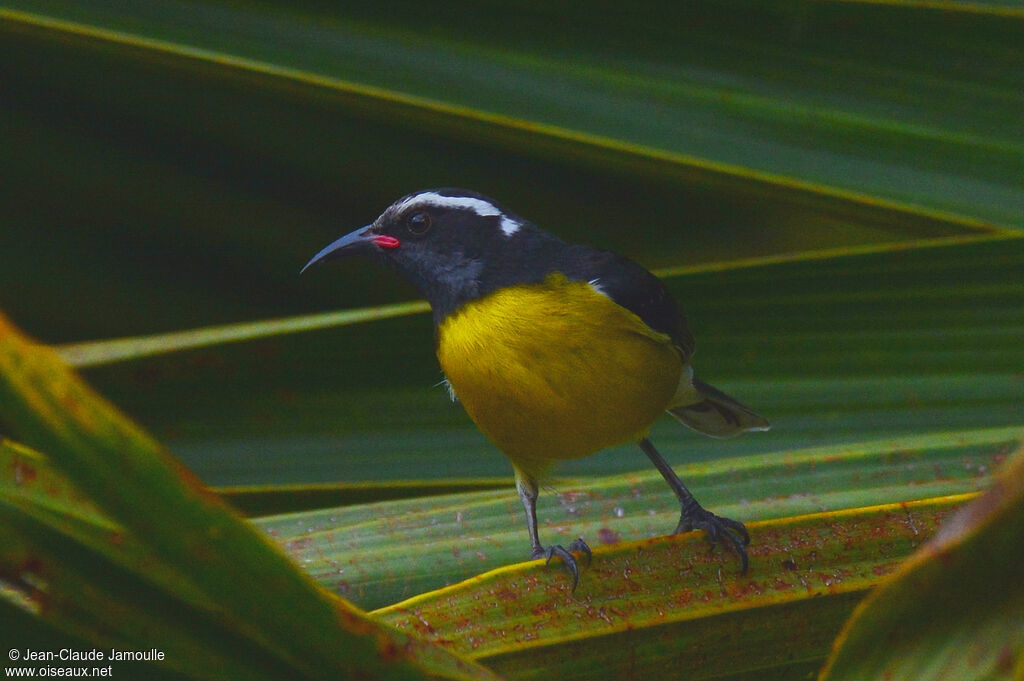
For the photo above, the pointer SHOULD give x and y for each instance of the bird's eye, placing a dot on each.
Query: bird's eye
(418, 223)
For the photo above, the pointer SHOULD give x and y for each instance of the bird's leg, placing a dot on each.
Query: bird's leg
(527, 488)
(696, 517)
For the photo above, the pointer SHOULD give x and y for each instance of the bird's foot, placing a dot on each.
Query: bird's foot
(718, 529)
(577, 546)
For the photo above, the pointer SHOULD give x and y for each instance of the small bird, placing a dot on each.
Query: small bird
(555, 350)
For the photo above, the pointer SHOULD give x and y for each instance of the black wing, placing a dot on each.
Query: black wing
(632, 287)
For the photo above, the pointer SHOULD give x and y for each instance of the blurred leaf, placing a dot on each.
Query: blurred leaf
(105, 352)
(667, 608)
(953, 610)
(31, 633)
(82, 574)
(834, 94)
(207, 558)
(80, 593)
(379, 553)
(263, 500)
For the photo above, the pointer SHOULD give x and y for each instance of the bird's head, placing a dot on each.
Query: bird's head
(439, 239)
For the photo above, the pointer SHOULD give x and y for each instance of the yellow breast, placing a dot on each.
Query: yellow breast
(556, 370)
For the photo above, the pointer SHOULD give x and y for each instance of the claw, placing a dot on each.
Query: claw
(578, 545)
(717, 528)
(568, 559)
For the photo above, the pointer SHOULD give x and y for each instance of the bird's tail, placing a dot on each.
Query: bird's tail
(716, 414)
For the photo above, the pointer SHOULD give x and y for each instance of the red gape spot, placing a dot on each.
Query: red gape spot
(385, 241)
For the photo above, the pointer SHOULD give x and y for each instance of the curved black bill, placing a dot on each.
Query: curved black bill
(350, 244)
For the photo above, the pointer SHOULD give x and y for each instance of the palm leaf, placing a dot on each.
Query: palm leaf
(206, 559)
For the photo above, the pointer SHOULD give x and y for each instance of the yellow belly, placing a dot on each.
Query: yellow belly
(556, 370)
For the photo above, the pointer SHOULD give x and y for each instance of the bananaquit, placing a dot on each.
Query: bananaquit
(555, 350)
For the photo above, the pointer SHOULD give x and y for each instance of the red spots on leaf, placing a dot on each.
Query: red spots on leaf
(389, 650)
(883, 569)
(607, 537)
(30, 566)
(683, 598)
(24, 473)
(29, 579)
(506, 594)
(463, 624)
(1006, 661)
(600, 613)
(423, 626)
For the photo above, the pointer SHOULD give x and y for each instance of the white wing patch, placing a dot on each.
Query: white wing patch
(596, 285)
(481, 207)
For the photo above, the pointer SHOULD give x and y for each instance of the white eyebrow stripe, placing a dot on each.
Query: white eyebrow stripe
(478, 206)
